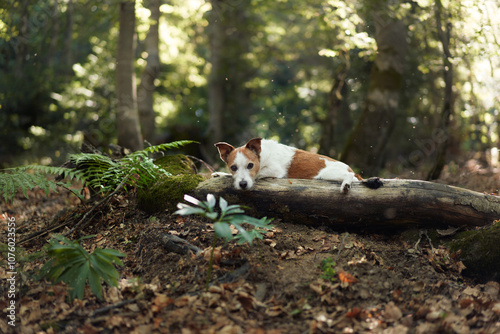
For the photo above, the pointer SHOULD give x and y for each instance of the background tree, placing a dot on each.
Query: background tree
(146, 87)
(366, 145)
(444, 36)
(127, 117)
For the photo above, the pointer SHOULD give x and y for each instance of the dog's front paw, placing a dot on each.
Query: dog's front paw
(345, 187)
(219, 174)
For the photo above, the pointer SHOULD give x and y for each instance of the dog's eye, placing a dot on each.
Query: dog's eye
(234, 168)
(250, 166)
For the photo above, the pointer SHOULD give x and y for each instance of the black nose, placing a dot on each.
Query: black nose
(243, 184)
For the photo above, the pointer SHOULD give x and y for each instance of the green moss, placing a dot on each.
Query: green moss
(176, 164)
(480, 252)
(167, 192)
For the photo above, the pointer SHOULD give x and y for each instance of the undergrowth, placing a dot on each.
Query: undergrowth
(98, 172)
(69, 261)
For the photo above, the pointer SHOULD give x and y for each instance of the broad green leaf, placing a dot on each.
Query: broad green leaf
(223, 230)
(95, 282)
(222, 204)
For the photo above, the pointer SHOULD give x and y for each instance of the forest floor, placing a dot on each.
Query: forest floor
(376, 282)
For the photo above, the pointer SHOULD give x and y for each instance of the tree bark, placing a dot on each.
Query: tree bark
(329, 124)
(367, 142)
(397, 204)
(129, 132)
(68, 40)
(444, 38)
(147, 86)
(216, 78)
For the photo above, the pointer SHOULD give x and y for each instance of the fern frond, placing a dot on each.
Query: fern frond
(166, 146)
(66, 173)
(17, 179)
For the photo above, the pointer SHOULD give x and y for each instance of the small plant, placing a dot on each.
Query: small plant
(328, 267)
(223, 217)
(73, 265)
(228, 215)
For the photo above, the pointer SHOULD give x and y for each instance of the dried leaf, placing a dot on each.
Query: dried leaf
(347, 278)
(392, 312)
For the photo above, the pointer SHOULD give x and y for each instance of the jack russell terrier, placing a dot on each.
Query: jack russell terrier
(261, 158)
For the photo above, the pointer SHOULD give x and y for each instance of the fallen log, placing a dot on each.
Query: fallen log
(398, 203)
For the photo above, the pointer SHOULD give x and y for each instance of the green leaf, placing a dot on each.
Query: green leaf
(223, 230)
(222, 204)
(73, 265)
(243, 233)
(95, 282)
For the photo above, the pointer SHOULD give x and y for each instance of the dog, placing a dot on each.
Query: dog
(261, 158)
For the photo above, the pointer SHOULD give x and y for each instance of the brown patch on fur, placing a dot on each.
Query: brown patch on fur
(224, 150)
(254, 145)
(306, 165)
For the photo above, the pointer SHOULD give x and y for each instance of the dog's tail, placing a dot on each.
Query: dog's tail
(372, 182)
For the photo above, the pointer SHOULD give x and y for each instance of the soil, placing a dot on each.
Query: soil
(297, 279)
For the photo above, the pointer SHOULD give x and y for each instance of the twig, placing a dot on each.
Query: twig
(42, 233)
(104, 200)
(110, 307)
(210, 168)
(341, 247)
(418, 241)
(428, 239)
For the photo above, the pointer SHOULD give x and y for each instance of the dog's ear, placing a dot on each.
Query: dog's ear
(224, 150)
(254, 145)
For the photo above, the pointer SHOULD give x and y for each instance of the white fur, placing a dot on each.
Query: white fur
(275, 159)
(336, 171)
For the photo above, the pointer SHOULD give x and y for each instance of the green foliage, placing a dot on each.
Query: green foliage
(228, 215)
(136, 170)
(328, 267)
(19, 178)
(73, 265)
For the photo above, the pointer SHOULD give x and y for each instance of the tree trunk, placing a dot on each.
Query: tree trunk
(147, 86)
(127, 120)
(216, 78)
(398, 203)
(329, 124)
(444, 38)
(22, 45)
(68, 39)
(367, 142)
(230, 30)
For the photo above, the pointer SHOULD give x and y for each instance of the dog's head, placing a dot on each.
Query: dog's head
(243, 162)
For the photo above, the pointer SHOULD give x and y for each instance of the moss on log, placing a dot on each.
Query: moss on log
(480, 252)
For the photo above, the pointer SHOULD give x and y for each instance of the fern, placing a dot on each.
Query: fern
(97, 171)
(139, 170)
(19, 178)
(73, 265)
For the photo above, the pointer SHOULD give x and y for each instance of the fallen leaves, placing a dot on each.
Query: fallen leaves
(346, 278)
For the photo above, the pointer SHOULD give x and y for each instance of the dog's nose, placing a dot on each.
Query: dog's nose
(243, 184)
